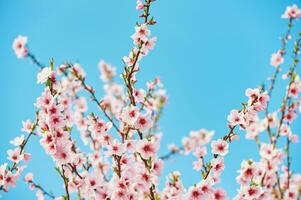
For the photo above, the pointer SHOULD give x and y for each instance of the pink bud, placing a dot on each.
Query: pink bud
(29, 177)
(27, 156)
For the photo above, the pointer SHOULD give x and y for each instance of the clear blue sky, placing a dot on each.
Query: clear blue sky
(208, 53)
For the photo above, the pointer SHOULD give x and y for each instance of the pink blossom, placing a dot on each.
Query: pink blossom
(294, 90)
(27, 126)
(54, 109)
(2, 173)
(78, 70)
(81, 104)
(276, 59)
(267, 151)
(19, 46)
(143, 123)
(139, 95)
(17, 141)
(114, 89)
(235, 118)
(252, 93)
(28, 177)
(139, 5)
(141, 34)
(206, 188)
(116, 148)
(149, 45)
(294, 138)
(292, 12)
(40, 195)
(252, 192)
(247, 172)
(257, 100)
(285, 130)
(272, 119)
(173, 148)
(219, 147)
(217, 164)
(130, 59)
(44, 75)
(151, 85)
(97, 125)
(220, 194)
(9, 180)
(197, 165)
(196, 139)
(158, 166)
(292, 193)
(130, 115)
(290, 116)
(253, 129)
(27, 156)
(146, 148)
(146, 179)
(93, 180)
(56, 121)
(195, 193)
(63, 152)
(107, 71)
(15, 155)
(200, 152)
(45, 99)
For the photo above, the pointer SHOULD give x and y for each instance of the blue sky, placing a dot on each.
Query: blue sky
(207, 54)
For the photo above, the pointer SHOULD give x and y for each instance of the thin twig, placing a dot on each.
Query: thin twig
(35, 60)
(49, 194)
(22, 147)
(287, 97)
(275, 75)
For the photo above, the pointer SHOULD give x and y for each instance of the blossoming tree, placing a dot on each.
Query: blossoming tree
(122, 163)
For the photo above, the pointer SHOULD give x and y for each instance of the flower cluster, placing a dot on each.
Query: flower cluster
(123, 137)
(10, 174)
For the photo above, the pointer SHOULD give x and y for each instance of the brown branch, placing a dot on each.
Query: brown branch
(65, 179)
(118, 169)
(74, 170)
(129, 73)
(275, 75)
(94, 98)
(288, 161)
(283, 51)
(152, 193)
(171, 153)
(35, 61)
(292, 77)
(279, 186)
